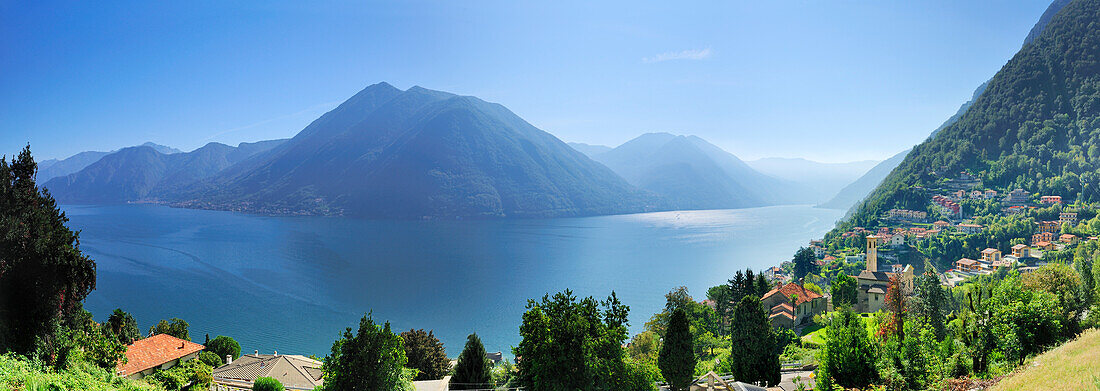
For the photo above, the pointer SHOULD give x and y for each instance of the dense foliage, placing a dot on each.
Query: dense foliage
(123, 326)
(472, 370)
(570, 344)
(175, 327)
(267, 384)
(370, 359)
(224, 346)
(848, 357)
(43, 275)
(677, 357)
(843, 290)
(757, 358)
(425, 354)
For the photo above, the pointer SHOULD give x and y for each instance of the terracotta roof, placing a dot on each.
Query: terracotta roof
(155, 351)
(792, 289)
(967, 261)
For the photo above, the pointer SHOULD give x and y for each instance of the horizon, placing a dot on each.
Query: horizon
(884, 75)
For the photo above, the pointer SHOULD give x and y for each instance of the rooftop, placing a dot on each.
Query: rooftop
(155, 351)
(294, 371)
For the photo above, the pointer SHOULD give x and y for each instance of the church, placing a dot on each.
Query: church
(872, 284)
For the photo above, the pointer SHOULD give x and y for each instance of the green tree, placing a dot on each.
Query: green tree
(804, 262)
(473, 370)
(843, 290)
(426, 354)
(931, 303)
(123, 326)
(570, 344)
(210, 358)
(175, 327)
(757, 360)
(1065, 284)
(677, 357)
(848, 357)
(371, 359)
(188, 375)
(224, 346)
(267, 384)
(44, 277)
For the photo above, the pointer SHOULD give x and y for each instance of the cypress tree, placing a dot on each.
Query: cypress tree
(755, 360)
(677, 358)
(472, 370)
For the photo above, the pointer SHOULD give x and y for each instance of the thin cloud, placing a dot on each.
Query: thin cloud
(690, 54)
(312, 109)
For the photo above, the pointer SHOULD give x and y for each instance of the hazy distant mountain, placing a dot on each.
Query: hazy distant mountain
(387, 153)
(856, 191)
(589, 149)
(144, 173)
(694, 174)
(824, 179)
(53, 168)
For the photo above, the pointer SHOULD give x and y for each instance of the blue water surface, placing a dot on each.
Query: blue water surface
(292, 284)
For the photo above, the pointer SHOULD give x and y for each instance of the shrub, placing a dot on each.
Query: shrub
(211, 359)
(224, 346)
(267, 384)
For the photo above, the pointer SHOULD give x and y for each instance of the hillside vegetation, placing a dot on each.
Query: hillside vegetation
(1072, 366)
(1036, 127)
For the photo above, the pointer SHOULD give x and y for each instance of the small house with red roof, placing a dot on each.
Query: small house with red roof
(792, 304)
(161, 351)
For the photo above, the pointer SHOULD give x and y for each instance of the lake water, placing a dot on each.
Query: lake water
(292, 284)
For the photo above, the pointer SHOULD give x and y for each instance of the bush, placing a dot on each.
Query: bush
(211, 359)
(267, 384)
(224, 346)
(17, 373)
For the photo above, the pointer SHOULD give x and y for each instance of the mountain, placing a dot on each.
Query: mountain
(419, 153)
(144, 173)
(1032, 128)
(823, 179)
(53, 168)
(692, 173)
(589, 149)
(856, 191)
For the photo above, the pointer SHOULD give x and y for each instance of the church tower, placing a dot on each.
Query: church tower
(872, 253)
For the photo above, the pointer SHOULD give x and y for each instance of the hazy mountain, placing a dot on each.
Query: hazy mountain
(387, 153)
(693, 174)
(53, 168)
(144, 173)
(1030, 129)
(856, 191)
(823, 179)
(589, 149)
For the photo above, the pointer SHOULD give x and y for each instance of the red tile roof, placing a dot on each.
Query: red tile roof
(155, 351)
(792, 289)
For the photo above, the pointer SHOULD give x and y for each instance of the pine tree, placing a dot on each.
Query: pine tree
(677, 357)
(756, 360)
(472, 370)
(425, 353)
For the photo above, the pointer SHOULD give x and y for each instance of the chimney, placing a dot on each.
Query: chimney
(181, 344)
(228, 359)
(276, 353)
(256, 353)
(801, 282)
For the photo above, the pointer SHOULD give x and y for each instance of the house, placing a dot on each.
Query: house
(968, 228)
(1051, 226)
(495, 357)
(294, 371)
(1067, 217)
(991, 255)
(1067, 238)
(967, 265)
(976, 194)
(773, 272)
(1041, 237)
(1017, 196)
(897, 241)
(1014, 210)
(1044, 245)
(872, 284)
(792, 304)
(1050, 200)
(1021, 251)
(1006, 263)
(989, 194)
(940, 224)
(160, 351)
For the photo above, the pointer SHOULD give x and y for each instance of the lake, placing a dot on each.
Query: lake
(292, 284)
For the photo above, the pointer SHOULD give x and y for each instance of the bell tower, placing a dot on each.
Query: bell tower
(872, 253)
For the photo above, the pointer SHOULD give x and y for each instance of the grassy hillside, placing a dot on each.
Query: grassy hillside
(1036, 127)
(1073, 366)
(17, 374)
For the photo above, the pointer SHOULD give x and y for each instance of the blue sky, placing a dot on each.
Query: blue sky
(824, 80)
